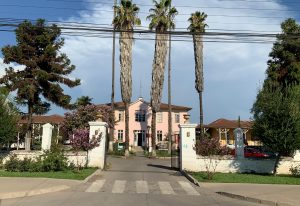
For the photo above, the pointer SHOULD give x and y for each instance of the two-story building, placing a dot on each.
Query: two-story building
(140, 122)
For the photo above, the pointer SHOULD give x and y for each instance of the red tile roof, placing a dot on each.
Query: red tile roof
(54, 119)
(163, 106)
(230, 124)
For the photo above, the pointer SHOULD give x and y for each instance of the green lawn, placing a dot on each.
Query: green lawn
(81, 175)
(248, 178)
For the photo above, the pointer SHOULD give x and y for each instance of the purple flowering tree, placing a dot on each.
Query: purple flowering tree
(80, 141)
(80, 118)
(212, 151)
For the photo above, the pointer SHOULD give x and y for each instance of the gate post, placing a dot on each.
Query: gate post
(187, 146)
(96, 156)
(47, 136)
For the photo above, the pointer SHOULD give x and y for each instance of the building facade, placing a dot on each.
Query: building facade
(223, 128)
(140, 122)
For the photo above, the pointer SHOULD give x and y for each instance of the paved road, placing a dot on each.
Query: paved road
(133, 181)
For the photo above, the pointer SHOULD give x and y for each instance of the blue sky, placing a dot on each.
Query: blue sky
(233, 71)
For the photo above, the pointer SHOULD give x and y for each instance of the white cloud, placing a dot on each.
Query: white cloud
(232, 71)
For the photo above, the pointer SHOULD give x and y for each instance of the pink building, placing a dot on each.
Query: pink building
(140, 122)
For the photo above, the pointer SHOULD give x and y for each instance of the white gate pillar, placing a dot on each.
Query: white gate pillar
(97, 155)
(47, 136)
(187, 144)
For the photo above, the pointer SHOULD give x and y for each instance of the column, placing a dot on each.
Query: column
(187, 144)
(47, 136)
(96, 156)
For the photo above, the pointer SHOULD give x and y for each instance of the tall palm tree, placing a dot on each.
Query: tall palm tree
(197, 28)
(162, 18)
(126, 18)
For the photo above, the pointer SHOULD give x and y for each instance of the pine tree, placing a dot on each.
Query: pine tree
(276, 111)
(46, 69)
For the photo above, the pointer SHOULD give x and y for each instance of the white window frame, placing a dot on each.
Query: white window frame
(159, 117)
(121, 116)
(159, 135)
(177, 118)
(120, 135)
(140, 116)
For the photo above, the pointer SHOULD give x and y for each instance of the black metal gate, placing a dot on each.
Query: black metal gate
(175, 151)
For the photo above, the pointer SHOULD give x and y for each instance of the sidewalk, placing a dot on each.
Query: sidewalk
(277, 195)
(23, 187)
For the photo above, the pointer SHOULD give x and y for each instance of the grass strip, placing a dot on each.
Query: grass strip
(68, 174)
(248, 178)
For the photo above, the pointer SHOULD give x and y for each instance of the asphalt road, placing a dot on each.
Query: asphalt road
(133, 181)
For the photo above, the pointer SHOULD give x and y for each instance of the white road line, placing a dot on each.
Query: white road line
(166, 188)
(187, 187)
(119, 186)
(95, 186)
(142, 187)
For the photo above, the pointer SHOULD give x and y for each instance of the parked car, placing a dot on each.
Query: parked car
(256, 152)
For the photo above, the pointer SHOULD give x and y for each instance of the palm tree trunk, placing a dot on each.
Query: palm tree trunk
(126, 130)
(201, 116)
(112, 129)
(153, 133)
(199, 82)
(159, 63)
(126, 79)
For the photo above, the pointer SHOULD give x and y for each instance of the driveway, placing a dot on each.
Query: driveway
(132, 181)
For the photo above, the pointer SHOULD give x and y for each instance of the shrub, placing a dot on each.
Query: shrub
(25, 164)
(12, 164)
(54, 161)
(36, 165)
(50, 161)
(210, 147)
(295, 170)
(1, 163)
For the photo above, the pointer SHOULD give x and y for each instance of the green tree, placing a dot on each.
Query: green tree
(125, 20)
(162, 18)
(9, 117)
(277, 120)
(197, 28)
(284, 65)
(276, 110)
(46, 69)
(83, 101)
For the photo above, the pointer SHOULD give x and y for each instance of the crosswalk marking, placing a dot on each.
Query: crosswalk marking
(142, 187)
(119, 186)
(166, 188)
(95, 186)
(188, 188)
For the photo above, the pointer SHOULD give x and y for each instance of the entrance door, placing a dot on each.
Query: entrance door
(140, 139)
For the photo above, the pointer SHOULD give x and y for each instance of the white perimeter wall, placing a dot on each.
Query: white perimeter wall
(190, 161)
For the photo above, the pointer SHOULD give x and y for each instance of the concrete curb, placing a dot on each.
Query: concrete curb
(33, 192)
(253, 200)
(97, 172)
(190, 178)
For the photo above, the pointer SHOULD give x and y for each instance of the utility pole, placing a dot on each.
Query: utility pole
(170, 130)
(112, 130)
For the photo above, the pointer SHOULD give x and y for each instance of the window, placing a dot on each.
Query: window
(121, 116)
(159, 136)
(177, 118)
(159, 117)
(120, 135)
(140, 116)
